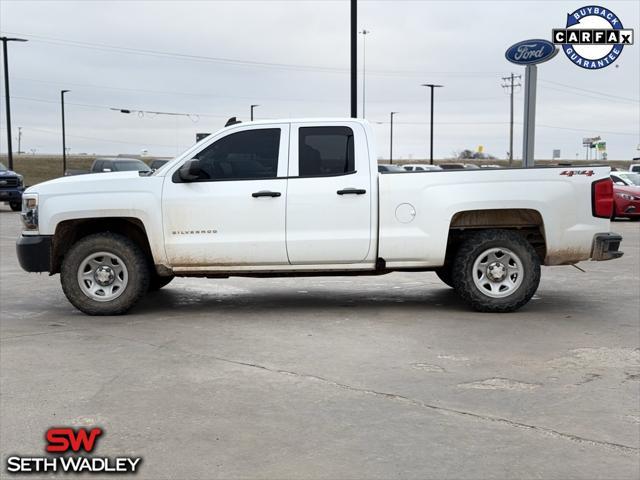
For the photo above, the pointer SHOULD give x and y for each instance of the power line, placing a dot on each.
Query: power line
(51, 132)
(123, 110)
(595, 92)
(239, 62)
(585, 95)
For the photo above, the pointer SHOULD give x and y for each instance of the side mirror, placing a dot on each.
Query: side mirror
(190, 171)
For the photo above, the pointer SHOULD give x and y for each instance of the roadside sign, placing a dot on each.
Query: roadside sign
(531, 52)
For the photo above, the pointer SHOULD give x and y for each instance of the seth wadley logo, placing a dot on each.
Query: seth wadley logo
(593, 37)
(64, 441)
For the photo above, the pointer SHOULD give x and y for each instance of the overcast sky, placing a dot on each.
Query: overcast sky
(459, 44)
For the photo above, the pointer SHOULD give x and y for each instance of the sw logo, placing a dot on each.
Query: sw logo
(593, 37)
(66, 440)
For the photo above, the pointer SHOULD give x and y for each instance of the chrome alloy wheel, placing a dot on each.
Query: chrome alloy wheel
(497, 272)
(103, 276)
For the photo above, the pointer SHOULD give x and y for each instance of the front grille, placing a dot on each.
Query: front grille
(8, 182)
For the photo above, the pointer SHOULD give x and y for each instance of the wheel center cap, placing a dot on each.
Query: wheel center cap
(496, 271)
(104, 275)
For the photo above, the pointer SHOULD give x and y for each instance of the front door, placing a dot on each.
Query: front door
(234, 212)
(329, 194)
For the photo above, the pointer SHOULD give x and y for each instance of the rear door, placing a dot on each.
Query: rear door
(329, 194)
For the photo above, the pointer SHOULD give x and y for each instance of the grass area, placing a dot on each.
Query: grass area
(40, 168)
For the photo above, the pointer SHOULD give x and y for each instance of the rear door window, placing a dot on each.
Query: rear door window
(325, 151)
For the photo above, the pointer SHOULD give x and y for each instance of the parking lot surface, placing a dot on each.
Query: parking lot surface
(333, 377)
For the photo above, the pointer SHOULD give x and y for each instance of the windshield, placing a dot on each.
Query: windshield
(2, 167)
(630, 178)
(130, 165)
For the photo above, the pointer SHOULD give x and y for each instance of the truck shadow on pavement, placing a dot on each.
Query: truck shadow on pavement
(330, 301)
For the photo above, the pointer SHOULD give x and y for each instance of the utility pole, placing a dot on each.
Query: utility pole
(432, 87)
(6, 95)
(252, 107)
(19, 140)
(64, 141)
(364, 33)
(391, 138)
(354, 58)
(509, 84)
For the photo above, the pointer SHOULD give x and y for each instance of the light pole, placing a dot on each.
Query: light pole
(64, 140)
(6, 94)
(432, 87)
(391, 137)
(354, 58)
(364, 33)
(252, 107)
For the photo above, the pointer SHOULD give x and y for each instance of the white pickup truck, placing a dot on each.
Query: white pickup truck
(304, 198)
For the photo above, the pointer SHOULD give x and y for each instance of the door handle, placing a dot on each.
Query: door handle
(351, 191)
(265, 193)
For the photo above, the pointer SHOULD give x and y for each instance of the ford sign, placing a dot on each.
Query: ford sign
(529, 52)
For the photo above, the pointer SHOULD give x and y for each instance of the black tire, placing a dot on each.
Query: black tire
(15, 206)
(444, 273)
(472, 248)
(133, 259)
(156, 282)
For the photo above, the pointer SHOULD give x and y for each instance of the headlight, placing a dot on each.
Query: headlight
(20, 180)
(627, 196)
(30, 211)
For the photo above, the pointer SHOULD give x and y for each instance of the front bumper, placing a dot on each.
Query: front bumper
(606, 246)
(14, 195)
(34, 252)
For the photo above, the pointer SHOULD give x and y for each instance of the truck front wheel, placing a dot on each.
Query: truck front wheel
(15, 206)
(496, 271)
(104, 274)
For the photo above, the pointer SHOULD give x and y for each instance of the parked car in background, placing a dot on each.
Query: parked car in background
(635, 168)
(115, 164)
(390, 169)
(623, 178)
(626, 195)
(11, 188)
(452, 166)
(156, 164)
(421, 168)
(118, 165)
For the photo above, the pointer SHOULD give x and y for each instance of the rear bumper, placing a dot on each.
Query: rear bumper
(606, 246)
(34, 252)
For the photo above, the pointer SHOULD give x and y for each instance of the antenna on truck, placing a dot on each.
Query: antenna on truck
(232, 121)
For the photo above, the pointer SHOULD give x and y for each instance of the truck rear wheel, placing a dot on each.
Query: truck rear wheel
(104, 274)
(496, 271)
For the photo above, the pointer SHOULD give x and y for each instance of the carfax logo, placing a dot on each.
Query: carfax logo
(593, 37)
(68, 442)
